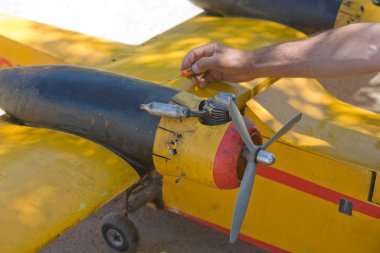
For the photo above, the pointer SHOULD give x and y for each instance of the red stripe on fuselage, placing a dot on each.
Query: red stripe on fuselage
(317, 190)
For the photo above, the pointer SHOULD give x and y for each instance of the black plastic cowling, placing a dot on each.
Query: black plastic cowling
(97, 105)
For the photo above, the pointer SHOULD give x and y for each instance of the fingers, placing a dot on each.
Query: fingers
(207, 78)
(205, 64)
(217, 76)
(195, 54)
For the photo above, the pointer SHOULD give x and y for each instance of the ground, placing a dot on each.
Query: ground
(160, 232)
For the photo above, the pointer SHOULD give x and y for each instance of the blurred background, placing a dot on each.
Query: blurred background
(126, 21)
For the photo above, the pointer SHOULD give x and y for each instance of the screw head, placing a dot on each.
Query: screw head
(172, 151)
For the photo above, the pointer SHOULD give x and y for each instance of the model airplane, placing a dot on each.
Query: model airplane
(74, 137)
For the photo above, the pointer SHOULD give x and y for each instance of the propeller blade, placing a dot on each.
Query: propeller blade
(283, 130)
(242, 200)
(238, 121)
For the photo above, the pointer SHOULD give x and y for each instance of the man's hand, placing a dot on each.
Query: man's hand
(219, 63)
(350, 50)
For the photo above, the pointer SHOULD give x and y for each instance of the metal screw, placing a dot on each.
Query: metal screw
(172, 151)
(180, 177)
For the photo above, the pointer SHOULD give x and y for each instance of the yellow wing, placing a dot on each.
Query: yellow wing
(49, 181)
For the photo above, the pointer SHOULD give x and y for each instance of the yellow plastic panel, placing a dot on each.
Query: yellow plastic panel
(356, 11)
(49, 181)
(279, 216)
(329, 126)
(160, 58)
(73, 48)
(196, 140)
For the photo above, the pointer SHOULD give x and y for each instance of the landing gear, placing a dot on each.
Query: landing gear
(120, 233)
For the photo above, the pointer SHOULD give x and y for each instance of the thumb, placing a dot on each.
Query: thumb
(204, 64)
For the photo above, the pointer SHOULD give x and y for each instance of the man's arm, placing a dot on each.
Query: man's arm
(345, 51)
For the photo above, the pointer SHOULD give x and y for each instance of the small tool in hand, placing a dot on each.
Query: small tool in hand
(185, 73)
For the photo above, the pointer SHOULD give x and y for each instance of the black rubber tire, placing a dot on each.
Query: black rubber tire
(120, 233)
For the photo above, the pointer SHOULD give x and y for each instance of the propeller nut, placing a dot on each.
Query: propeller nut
(265, 157)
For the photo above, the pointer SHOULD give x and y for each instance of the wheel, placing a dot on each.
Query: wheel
(120, 233)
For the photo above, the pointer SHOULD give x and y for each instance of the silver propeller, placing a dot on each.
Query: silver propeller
(242, 129)
(255, 155)
(291, 123)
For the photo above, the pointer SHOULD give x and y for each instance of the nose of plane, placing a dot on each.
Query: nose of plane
(229, 162)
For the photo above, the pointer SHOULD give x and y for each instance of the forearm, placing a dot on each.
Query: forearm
(350, 50)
